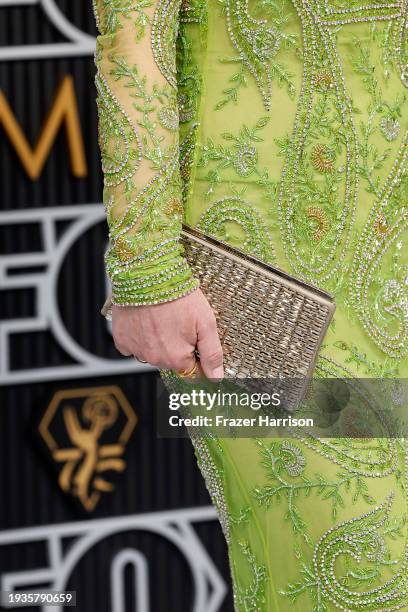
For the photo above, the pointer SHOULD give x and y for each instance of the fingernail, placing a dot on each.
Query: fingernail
(218, 373)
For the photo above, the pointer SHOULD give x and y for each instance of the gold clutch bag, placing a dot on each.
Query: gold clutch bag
(271, 325)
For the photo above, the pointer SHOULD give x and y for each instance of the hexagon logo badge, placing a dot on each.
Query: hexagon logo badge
(86, 431)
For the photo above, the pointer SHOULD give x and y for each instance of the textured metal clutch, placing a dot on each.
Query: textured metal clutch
(271, 325)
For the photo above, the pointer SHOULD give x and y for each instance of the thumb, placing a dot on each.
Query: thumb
(210, 349)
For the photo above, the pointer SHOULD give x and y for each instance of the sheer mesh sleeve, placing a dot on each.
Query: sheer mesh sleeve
(138, 138)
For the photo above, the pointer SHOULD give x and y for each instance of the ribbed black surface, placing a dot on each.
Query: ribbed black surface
(161, 474)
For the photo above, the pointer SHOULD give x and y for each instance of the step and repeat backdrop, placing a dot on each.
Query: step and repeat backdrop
(91, 500)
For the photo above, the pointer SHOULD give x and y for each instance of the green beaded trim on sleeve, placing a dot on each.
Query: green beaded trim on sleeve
(164, 279)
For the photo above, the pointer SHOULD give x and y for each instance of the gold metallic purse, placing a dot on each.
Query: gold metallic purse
(271, 325)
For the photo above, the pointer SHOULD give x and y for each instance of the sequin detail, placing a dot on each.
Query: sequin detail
(236, 211)
(138, 136)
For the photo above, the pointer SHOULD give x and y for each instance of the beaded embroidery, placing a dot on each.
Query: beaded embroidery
(144, 259)
(234, 210)
(251, 598)
(257, 44)
(163, 37)
(119, 140)
(324, 130)
(112, 13)
(336, 214)
(377, 275)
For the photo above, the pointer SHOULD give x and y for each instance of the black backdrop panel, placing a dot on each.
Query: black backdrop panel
(161, 475)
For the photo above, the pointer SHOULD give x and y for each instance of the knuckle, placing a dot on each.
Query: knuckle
(215, 358)
(210, 324)
(211, 319)
(180, 363)
(151, 357)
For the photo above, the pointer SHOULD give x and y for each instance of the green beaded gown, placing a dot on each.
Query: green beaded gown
(280, 126)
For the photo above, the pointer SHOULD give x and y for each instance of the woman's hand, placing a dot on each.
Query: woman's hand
(166, 335)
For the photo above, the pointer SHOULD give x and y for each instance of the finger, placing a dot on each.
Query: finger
(189, 367)
(121, 342)
(151, 358)
(139, 359)
(123, 351)
(197, 374)
(210, 349)
(184, 362)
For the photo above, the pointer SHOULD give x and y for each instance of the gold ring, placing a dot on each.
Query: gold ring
(188, 373)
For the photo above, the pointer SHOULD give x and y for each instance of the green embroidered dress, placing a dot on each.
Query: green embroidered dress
(281, 127)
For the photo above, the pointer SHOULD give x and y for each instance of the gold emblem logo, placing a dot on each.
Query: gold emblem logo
(86, 431)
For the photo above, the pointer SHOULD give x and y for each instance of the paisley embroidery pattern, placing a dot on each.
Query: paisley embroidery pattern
(387, 322)
(336, 12)
(234, 210)
(138, 136)
(119, 140)
(363, 539)
(375, 458)
(257, 44)
(324, 133)
(163, 38)
(363, 544)
(320, 187)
